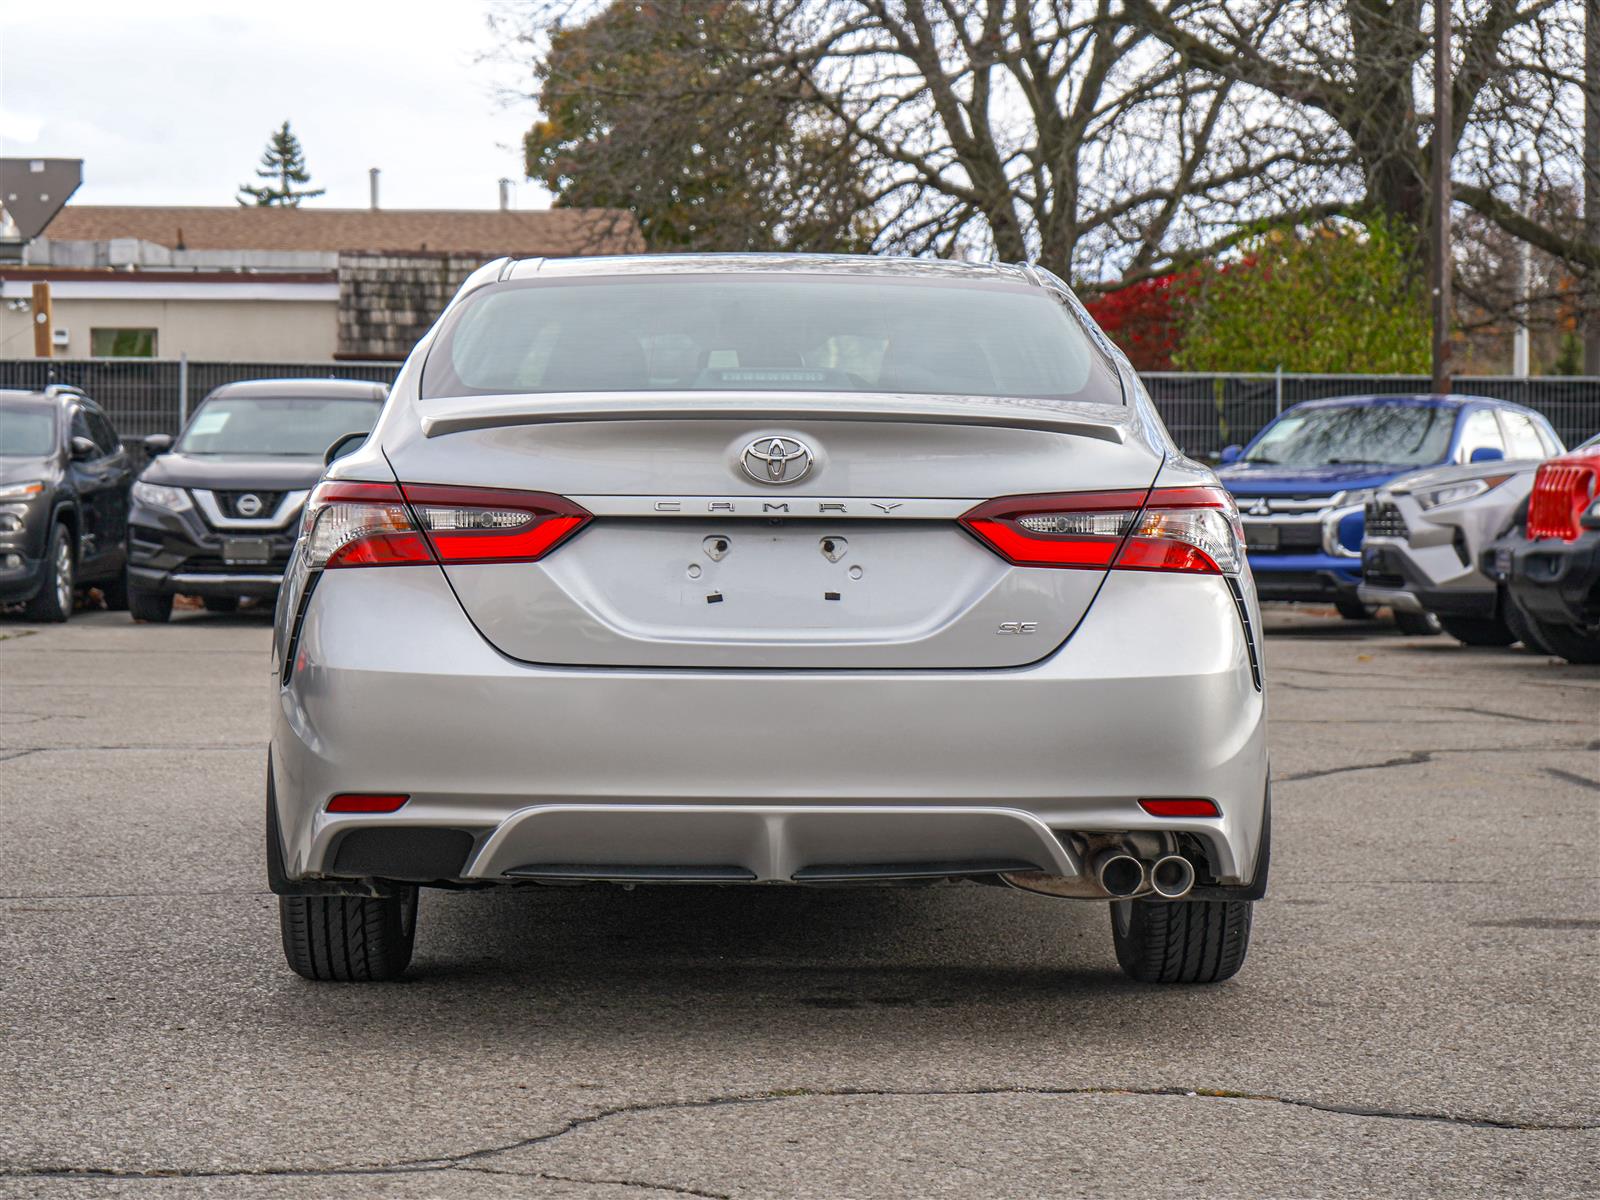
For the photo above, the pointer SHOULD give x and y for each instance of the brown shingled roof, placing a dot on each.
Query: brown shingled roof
(489, 232)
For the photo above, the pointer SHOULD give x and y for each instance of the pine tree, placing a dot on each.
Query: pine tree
(284, 165)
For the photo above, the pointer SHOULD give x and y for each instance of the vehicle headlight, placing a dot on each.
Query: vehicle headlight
(1452, 493)
(28, 489)
(159, 495)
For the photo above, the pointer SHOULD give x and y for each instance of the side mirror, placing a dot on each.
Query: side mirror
(82, 449)
(157, 443)
(1486, 454)
(345, 444)
(1231, 454)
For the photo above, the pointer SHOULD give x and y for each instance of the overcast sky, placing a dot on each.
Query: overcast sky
(172, 101)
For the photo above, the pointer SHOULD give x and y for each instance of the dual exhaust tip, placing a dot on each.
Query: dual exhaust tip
(1121, 875)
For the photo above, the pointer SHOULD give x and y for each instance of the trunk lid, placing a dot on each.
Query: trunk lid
(696, 557)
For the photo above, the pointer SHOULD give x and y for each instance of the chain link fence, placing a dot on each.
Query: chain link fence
(1204, 412)
(1207, 412)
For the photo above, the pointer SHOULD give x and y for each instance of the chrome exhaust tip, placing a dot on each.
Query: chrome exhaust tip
(1120, 874)
(1171, 876)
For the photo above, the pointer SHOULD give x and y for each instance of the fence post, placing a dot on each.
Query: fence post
(183, 391)
(1277, 390)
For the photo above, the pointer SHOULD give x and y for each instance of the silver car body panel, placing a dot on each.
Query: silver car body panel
(581, 708)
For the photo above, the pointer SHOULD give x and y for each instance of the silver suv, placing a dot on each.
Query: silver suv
(768, 570)
(1425, 533)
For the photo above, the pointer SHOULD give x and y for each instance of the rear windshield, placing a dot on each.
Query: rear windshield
(26, 431)
(301, 427)
(1394, 435)
(763, 332)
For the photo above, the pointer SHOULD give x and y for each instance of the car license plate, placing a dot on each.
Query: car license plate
(1260, 537)
(241, 552)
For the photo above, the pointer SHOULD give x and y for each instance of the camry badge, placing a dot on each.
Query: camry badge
(777, 460)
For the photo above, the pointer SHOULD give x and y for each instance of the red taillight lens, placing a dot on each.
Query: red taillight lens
(1181, 808)
(361, 525)
(362, 803)
(381, 524)
(1168, 529)
(1562, 491)
(487, 525)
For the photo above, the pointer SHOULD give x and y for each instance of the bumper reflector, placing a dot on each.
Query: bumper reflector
(355, 803)
(1181, 808)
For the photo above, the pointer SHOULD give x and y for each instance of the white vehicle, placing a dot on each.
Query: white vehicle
(768, 570)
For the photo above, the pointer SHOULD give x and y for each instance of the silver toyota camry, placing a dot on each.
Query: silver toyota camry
(747, 570)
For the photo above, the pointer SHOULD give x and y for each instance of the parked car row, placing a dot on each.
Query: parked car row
(1415, 503)
(213, 515)
(1419, 504)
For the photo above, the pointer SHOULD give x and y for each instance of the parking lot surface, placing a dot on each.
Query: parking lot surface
(1417, 1017)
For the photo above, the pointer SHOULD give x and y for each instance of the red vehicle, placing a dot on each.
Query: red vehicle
(1552, 566)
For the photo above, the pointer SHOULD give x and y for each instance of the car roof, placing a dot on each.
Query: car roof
(1419, 400)
(20, 396)
(776, 264)
(302, 389)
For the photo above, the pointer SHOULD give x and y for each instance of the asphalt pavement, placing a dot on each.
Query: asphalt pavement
(1419, 1014)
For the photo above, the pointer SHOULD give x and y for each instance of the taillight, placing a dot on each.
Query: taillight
(381, 524)
(1169, 529)
(1562, 491)
(486, 525)
(361, 525)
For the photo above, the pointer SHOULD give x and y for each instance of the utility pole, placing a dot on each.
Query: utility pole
(1441, 264)
(1521, 275)
(43, 320)
(1591, 181)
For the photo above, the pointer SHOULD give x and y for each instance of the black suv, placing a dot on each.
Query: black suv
(216, 514)
(64, 479)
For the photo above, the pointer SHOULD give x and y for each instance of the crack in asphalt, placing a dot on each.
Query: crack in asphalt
(1416, 758)
(143, 747)
(469, 1160)
(1572, 777)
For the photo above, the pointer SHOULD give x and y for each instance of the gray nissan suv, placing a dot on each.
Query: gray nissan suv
(817, 571)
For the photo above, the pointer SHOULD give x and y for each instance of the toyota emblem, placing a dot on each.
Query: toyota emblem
(777, 460)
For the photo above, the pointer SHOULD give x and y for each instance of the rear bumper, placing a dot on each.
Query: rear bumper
(773, 773)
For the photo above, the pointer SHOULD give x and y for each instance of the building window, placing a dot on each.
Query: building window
(122, 343)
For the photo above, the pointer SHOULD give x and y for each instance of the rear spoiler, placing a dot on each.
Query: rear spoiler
(461, 414)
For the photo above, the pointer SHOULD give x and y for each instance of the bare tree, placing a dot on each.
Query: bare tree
(1358, 70)
(1052, 130)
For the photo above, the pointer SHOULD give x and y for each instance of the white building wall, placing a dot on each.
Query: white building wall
(301, 329)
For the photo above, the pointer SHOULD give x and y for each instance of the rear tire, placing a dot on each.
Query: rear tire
(1181, 941)
(53, 602)
(1478, 631)
(220, 604)
(1566, 642)
(1353, 610)
(1422, 624)
(149, 606)
(351, 939)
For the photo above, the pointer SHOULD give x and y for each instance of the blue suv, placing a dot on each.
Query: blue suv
(1302, 482)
